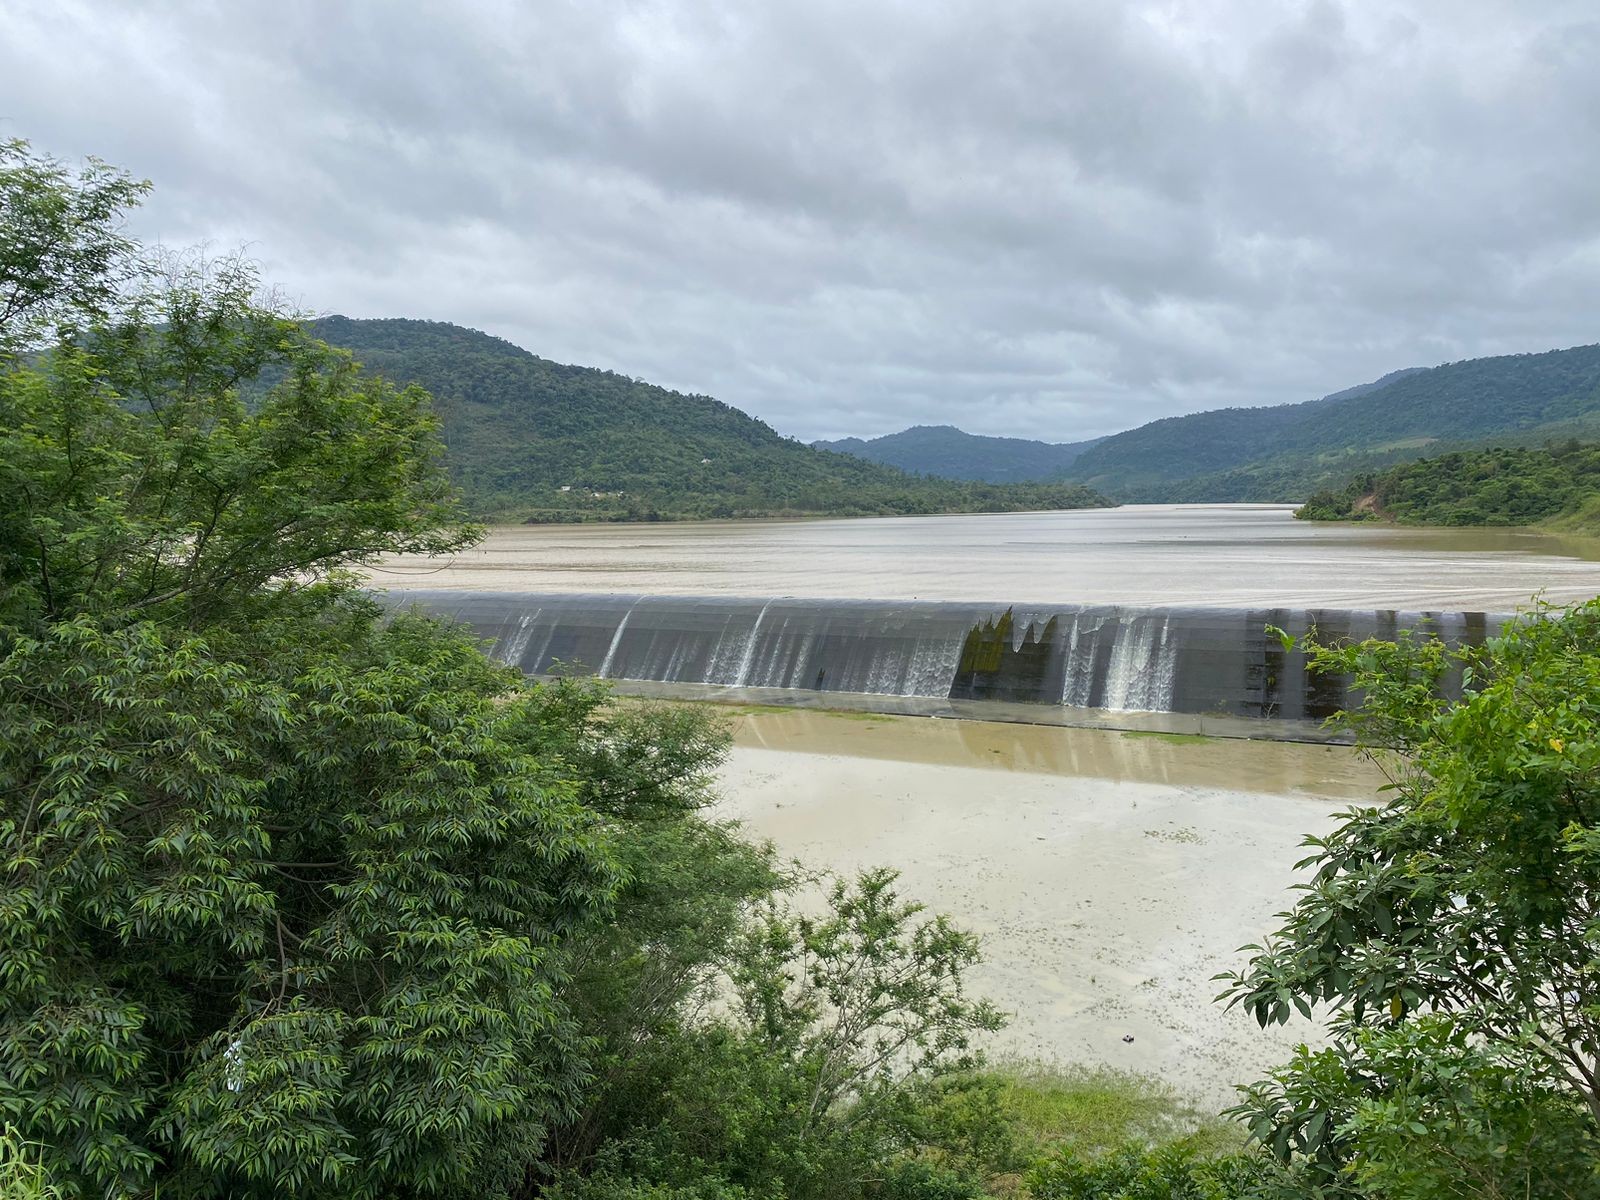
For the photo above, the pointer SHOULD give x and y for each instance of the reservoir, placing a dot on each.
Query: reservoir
(1225, 555)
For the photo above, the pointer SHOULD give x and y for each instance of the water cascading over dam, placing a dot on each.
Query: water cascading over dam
(1190, 660)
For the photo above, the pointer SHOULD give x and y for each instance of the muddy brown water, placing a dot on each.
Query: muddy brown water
(1237, 556)
(1334, 772)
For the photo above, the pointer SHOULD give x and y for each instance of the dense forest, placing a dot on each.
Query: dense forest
(532, 440)
(1286, 452)
(951, 453)
(1499, 486)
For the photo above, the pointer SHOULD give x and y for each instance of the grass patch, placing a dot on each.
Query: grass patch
(21, 1176)
(1585, 519)
(1172, 739)
(1095, 1109)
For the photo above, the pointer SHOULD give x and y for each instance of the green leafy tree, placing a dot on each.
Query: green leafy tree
(284, 896)
(133, 477)
(1452, 933)
(831, 1062)
(687, 885)
(63, 258)
(862, 996)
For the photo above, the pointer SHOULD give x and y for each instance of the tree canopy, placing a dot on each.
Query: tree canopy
(260, 848)
(64, 256)
(1500, 486)
(1452, 933)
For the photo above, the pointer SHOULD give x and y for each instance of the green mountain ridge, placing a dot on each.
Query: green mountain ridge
(1286, 452)
(528, 439)
(953, 453)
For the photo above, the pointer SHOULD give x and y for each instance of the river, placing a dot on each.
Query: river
(1228, 555)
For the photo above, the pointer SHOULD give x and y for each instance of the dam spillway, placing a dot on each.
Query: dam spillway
(1115, 659)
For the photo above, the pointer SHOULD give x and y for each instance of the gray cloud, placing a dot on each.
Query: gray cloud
(1043, 218)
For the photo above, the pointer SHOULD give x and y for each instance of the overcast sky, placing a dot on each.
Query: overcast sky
(1050, 219)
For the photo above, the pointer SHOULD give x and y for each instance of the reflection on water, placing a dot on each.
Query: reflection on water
(1236, 555)
(1236, 765)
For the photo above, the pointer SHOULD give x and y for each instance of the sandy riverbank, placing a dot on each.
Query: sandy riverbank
(1110, 876)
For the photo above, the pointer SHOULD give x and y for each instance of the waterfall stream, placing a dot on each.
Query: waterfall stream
(1178, 660)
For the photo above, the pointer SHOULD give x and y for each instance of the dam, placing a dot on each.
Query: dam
(1111, 659)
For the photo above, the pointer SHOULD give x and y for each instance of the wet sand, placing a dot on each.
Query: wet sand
(1109, 875)
(1226, 555)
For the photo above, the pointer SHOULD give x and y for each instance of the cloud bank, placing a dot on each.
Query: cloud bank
(1045, 219)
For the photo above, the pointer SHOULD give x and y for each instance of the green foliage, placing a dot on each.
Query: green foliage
(133, 479)
(687, 884)
(1508, 1134)
(520, 429)
(862, 995)
(1172, 1171)
(1486, 487)
(63, 257)
(948, 452)
(283, 895)
(839, 1057)
(1452, 932)
(239, 900)
(1290, 451)
(22, 1176)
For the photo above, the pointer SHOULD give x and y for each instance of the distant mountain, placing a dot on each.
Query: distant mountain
(530, 439)
(1287, 452)
(1361, 389)
(947, 451)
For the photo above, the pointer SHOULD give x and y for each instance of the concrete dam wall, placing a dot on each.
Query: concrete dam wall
(1206, 661)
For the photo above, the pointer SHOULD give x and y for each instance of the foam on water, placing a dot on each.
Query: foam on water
(611, 652)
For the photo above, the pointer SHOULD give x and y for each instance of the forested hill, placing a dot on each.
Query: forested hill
(955, 454)
(1501, 486)
(530, 439)
(1286, 452)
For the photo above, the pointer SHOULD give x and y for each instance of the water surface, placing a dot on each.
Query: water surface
(1229, 555)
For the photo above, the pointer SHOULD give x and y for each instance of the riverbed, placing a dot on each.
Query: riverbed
(1109, 875)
